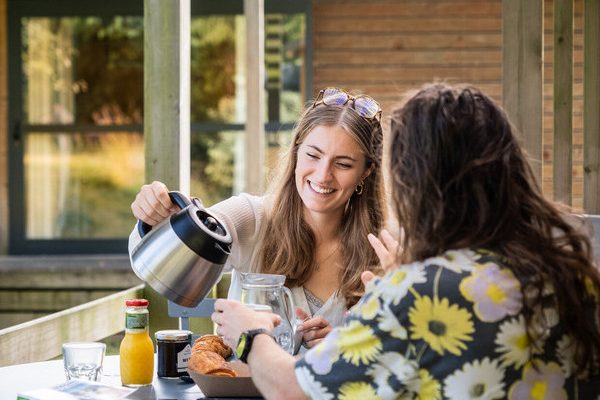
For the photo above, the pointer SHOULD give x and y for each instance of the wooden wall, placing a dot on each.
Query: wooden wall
(32, 287)
(384, 47)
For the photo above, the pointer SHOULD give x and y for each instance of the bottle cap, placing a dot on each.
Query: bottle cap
(136, 302)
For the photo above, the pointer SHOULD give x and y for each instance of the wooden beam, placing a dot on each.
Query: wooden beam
(167, 92)
(522, 73)
(563, 101)
(255, 97)
(591, 107)
(42, 338)
(4, 214)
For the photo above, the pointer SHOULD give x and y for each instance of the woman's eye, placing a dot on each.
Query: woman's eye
(344, 165)
(311, 155)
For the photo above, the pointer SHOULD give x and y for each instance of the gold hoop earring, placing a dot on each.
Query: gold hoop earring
(360, 187)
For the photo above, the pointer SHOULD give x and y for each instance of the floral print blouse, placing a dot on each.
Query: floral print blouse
(449, 327)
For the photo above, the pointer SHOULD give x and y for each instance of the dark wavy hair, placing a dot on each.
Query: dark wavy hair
(460, 179)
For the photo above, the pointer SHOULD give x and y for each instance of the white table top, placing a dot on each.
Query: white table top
(23, 377)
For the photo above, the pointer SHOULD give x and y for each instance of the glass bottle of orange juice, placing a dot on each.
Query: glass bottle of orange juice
(137, 350)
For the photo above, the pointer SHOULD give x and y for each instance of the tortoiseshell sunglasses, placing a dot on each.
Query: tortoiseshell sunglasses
(366, 106)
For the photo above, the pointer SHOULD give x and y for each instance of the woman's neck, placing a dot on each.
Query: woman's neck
(326, 227)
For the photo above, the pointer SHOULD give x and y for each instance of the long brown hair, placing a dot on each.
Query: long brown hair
(288, 245)
(460, 179)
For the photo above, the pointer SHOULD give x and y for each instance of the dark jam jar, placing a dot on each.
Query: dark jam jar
(174, 349)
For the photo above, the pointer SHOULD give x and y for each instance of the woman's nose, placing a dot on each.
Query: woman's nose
(323, 171)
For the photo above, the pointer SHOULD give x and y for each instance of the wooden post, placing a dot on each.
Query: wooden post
(522, 91)
(255, 97)
(166, 111)
(563, 101)
(591, 107)
(4, 216)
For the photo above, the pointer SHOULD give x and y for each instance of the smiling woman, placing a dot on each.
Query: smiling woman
(313, 222)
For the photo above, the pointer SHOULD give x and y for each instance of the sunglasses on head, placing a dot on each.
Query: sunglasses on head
(365, 106)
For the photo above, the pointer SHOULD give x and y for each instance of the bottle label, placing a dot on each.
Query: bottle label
(136, 321)
(183, 357)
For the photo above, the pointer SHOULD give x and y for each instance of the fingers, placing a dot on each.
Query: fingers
(313, 336)
(312, 343)
(317, 322)
(301, 315)
(386, 248)
(153, 204)
(367, 277)
(378, 246)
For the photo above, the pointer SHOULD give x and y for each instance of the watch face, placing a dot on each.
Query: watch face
(239, 350)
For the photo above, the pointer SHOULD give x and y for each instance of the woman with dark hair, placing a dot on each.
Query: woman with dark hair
(494, 296)
(312, 223)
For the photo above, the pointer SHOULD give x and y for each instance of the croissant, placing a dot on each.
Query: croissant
(208, 357)
(212, 343)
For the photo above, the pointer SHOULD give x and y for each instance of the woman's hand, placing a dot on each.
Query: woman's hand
(153, 204)
(387, 249)
(313, 329)
(233, 317)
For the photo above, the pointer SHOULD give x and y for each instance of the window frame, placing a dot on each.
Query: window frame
(18, 9)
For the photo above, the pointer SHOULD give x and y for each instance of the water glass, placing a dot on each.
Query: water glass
(83, 360)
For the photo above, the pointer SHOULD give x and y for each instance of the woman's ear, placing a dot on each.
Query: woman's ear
(368, 172)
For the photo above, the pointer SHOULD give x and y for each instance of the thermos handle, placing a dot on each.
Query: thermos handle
(176, 197)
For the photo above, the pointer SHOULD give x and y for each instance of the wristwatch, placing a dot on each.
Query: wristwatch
(245, 343)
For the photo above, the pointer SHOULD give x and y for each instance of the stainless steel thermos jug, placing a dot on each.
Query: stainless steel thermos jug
(183, 256)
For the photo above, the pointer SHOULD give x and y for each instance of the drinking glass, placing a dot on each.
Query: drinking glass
(83, 360)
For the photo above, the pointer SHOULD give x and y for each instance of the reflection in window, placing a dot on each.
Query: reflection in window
(81, 185)
(83, 70)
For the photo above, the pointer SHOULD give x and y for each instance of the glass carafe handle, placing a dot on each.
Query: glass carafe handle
(290, 308)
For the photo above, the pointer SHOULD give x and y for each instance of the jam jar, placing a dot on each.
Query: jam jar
(174, 349)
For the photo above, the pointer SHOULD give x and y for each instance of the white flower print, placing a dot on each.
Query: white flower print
(388, 322)
(482, 380)
(310, 386)
(389, 364)
(395, 284)
(513, 343)
(456, 260)
(322, 356)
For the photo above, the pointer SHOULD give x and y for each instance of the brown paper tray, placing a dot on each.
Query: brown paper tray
(223, 386)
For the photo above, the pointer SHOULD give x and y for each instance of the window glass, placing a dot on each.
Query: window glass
(83, 70)
(81, 185)
(218, 62)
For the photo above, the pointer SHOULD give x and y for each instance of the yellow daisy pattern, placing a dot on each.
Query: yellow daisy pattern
(358, 344)
(442, 326)
(429, 388)
(448, 327)
(357, 391)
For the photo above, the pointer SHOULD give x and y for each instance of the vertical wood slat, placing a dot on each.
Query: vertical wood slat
(591, 107)
(563, 101)
(255, 110)
(4, 212)
(166, 111)
(167, 92)
(522, 73)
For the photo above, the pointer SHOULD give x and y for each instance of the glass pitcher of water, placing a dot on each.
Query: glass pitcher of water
(267, 291)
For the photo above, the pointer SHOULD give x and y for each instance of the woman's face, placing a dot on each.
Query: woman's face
(330, 165)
